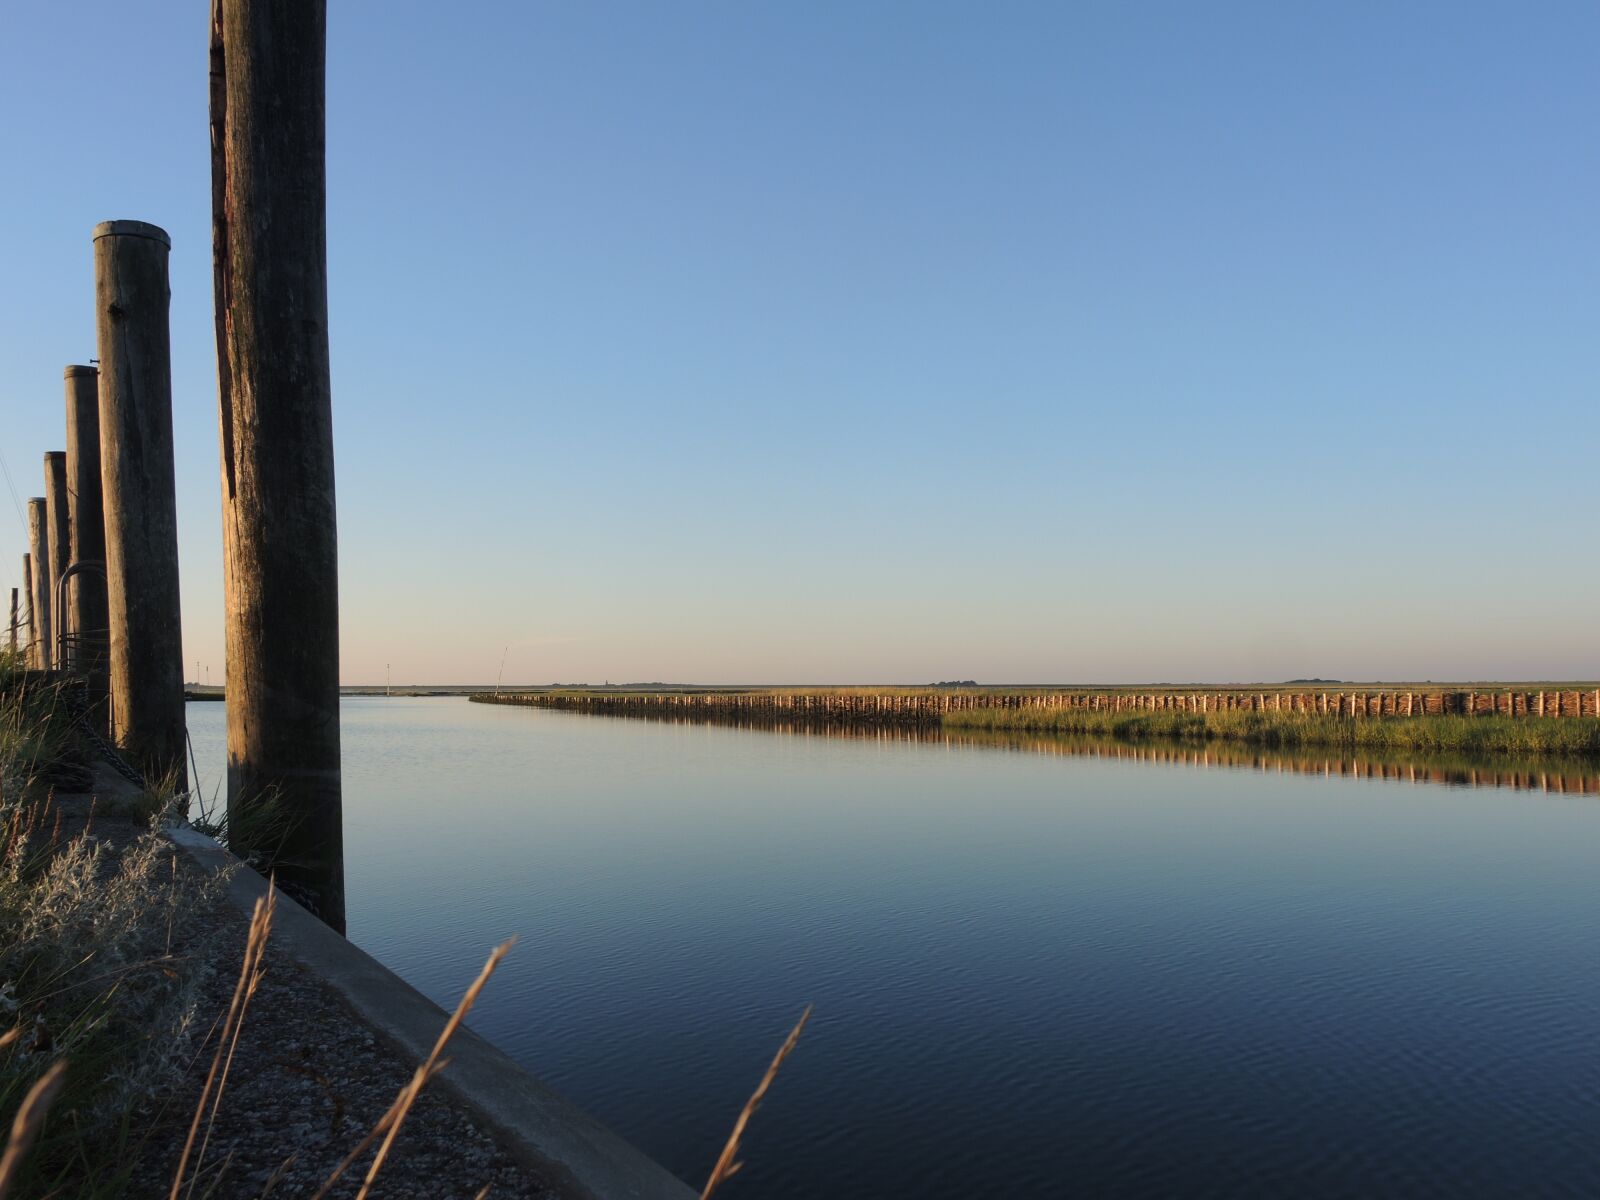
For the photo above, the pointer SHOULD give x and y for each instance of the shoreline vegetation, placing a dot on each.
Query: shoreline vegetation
(115, 956)
(1484, 721)
(1486, 736)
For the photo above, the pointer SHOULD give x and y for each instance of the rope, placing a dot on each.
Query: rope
(78, 705)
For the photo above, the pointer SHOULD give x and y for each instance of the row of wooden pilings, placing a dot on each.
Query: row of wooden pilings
(280, 564)
(913, 708)
(101, 572)
(1210, 755)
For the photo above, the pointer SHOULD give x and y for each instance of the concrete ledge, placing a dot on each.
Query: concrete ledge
(572, 1152)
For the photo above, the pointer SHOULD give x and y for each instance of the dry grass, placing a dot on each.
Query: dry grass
(226, 1034)
(29, 1120)
(250, 974)
(87, 967)
(728, 1161)
(88, 973)
(389, 1125)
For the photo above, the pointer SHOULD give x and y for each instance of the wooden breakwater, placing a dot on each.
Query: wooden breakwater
(929, 707)
(1537, 773)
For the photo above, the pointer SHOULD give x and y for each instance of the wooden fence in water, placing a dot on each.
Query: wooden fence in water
(1544, 775)
(928, 707)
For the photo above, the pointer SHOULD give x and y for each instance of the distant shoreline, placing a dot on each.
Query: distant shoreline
(1490, 720)
(208, 692)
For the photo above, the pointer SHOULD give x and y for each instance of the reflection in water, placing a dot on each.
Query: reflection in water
(1032, 977)
(1558, 775)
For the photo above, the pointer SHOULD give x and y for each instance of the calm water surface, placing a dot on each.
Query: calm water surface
(1033, 976)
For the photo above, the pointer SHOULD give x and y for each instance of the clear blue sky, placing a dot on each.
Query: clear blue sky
(890, 342)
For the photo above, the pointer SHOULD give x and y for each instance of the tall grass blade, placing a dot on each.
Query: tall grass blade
(727, 1162)
(388, 1126)
(27, 1123)
(249, 979)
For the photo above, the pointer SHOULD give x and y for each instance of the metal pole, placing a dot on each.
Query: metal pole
(136, 470)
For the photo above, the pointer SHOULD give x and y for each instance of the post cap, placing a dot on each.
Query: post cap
(50, 454)
(132, 229)
(78, 369)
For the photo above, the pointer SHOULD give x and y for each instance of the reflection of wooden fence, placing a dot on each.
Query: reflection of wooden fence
(915, 708)
(1555, 776)
(1309, 762)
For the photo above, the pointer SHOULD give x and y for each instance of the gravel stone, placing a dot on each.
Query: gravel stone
(308, 1079)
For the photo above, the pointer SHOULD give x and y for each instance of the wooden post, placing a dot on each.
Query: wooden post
(87, 603)
(27, 599)
(269, 256)
(39, 547)
(58, 519)
(13, 646)
(136, 471)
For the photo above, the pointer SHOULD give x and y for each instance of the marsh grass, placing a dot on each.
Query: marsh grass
(88, 976)
(38, 739)
(99, 1019)
(1565, 736)
(256, 832)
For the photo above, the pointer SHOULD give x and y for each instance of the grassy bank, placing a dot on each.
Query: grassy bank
(117, 1031)
(1466, 735)
(91, 994)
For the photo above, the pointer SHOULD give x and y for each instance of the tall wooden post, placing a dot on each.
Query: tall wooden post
(87, 603)
(59, 520)
(27, 598)
(141, 523)
(280, 547)
(39, 547)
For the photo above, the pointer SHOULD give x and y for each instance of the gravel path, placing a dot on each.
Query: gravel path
(308, 1080)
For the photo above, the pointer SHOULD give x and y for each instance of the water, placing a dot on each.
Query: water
(1033, 975)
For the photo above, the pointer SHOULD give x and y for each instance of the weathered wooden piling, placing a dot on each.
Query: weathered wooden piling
(27, 599)
(87, 605)
(269, 234)
(39, 601)
(132, 297)
(58, 518)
